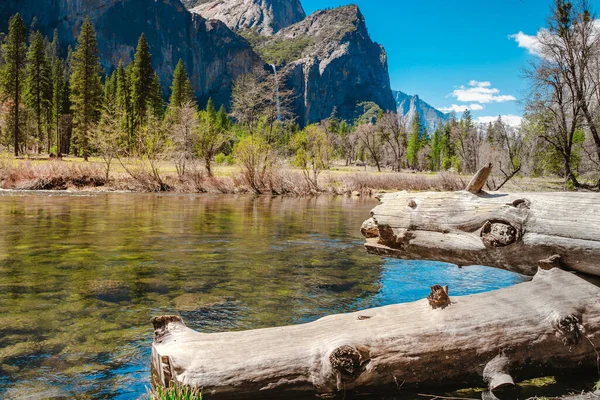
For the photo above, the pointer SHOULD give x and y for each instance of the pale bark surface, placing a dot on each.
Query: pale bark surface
(516, 232)
(535, 328)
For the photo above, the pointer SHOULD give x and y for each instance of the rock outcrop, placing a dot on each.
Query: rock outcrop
(212, 53)
(408, 106)
(264, 17)
(331, 63)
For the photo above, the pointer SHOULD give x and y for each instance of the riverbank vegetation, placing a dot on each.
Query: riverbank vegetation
(54, 106)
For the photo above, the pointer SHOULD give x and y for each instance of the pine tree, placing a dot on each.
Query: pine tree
(181, 88)
(86, 87)
(58, 101)
(123, 102)
(142, 76)
(155, 100)
(414, 141)
(13, 72)
(38, 91)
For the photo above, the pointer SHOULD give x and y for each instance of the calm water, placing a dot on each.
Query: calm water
(81, 276)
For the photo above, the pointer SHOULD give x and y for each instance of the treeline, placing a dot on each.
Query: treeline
(71, 106)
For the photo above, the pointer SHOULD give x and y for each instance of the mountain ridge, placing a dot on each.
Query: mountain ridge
(407, 106)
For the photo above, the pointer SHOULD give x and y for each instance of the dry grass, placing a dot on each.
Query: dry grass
(39, 174)
(50, 175)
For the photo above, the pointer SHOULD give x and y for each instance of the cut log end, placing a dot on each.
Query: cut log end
(438, 298)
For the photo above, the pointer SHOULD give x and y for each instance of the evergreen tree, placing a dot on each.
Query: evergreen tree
(59, 93)
(123, 103)
(86, 87)
(436, 150)
(13, 73)
(38, 92)
(155, 98)
(181, 88)
(142, 77)
(414, 141)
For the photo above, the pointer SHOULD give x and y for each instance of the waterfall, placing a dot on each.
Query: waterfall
(277, 100)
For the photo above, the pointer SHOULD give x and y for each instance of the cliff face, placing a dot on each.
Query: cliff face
(212, 53)
(431, 118)
(331, 62)
(265, 17)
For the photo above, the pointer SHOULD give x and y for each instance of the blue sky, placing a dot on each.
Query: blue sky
(436, 48)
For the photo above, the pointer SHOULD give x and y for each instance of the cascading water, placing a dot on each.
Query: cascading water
(277, 99)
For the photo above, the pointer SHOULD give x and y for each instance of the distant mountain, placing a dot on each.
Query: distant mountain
(408, 105)
(265, 17)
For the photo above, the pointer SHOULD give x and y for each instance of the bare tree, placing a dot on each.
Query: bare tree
(183, 122)
(372, 142)
(392, 129)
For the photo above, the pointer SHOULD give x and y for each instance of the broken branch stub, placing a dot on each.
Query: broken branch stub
(478, 181)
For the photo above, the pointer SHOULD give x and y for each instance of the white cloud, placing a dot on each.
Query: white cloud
(531, 43)
(480, 84)
(480, 92)
(512, 120)
(459, 109)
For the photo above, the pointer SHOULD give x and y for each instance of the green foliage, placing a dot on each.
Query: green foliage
(220, 159)
(156, 105)
(176, 392)
(212, 133)
(257, 159)
(282, 51)
(38, 92)
(86, 88)
(141, 81)
(13, 74)
(313, 152)
(597, 386)
(414, 141)
(181, 88)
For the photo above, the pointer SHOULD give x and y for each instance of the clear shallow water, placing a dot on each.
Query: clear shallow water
(81, 276)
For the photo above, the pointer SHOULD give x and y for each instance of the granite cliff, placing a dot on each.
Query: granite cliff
(265, 17)
(331, 62)
(212, 53)
(328, 58)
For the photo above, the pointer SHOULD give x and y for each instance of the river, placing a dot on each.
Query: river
(81, 276)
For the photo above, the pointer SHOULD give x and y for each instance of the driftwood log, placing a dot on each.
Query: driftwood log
(535, 328)
(517, 232)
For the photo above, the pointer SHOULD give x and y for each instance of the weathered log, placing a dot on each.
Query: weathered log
(511, 231)
(479, 180)
(544, 326)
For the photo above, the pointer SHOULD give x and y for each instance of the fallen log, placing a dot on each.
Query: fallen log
(516, 232)
(540, 327)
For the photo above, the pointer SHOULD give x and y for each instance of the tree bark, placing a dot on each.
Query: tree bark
(540, 327)
(509, 231)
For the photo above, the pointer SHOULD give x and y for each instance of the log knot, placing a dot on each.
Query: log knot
(412, 204)
(161, 325)
(498, 234)
(347, 361)
(438, 298)
(570, 329)
(523, 204)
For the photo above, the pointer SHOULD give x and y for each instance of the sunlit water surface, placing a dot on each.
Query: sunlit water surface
(81, 276)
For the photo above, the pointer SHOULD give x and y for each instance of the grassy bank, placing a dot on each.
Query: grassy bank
(136, 176)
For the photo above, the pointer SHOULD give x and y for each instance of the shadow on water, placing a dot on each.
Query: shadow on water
(81, 276)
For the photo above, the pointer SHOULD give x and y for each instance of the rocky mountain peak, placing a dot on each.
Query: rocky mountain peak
(331, 63)
(264, 17)
(408, 106)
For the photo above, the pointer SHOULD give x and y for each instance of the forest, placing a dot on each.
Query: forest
(54, 106)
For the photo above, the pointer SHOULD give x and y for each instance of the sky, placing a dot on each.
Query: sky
(457, 54)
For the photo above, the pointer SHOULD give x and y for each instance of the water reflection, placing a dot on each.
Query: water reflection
(80, 277)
